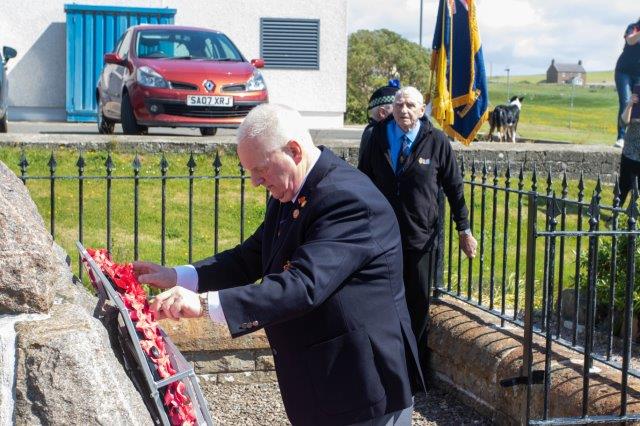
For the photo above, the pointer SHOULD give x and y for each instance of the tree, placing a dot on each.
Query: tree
(373, 58)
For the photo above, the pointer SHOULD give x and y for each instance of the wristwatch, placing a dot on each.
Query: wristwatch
(204, 304)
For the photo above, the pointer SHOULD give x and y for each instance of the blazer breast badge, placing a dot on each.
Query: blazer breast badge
(301, 202)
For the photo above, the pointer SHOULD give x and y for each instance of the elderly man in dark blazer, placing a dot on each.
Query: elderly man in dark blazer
(408, 160)
(330, 294)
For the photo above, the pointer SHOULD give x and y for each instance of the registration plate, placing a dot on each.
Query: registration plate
(219, 101)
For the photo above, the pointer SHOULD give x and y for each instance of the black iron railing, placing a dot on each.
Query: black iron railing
(215, 177)
(576, 295)
(561, 267)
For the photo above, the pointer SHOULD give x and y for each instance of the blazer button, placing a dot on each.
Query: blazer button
(255, 323)
(243, 325)
(274, 351)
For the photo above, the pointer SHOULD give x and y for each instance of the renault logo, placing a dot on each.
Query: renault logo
(209, 85)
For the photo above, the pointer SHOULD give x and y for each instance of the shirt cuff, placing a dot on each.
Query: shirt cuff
(215, 308)
(465, 231)
(187, 277)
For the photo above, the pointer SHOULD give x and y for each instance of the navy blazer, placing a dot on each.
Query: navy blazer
(331, 298)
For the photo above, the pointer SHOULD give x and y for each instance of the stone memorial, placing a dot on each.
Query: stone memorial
(66, 369)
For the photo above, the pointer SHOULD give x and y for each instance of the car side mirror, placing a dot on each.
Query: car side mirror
(8, 53)
(113, 58)
(258, 63)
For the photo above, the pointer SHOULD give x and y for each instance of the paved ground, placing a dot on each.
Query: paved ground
(260, 404)
(61, 128)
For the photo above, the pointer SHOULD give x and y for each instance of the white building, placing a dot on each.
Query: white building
(37, 30)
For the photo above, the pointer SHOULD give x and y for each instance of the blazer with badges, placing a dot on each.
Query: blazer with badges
(413, 192)
(331, 298)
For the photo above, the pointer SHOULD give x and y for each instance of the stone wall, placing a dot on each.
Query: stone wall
(217, 357)
(590, 159)
(470, 355)
(57, 364)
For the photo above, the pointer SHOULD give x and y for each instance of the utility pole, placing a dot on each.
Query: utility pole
(508, 83)
(421, 4)
(573, 88)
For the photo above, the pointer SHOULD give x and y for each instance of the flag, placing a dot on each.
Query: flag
(460, 96)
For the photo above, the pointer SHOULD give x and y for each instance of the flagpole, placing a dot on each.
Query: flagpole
(421, 5)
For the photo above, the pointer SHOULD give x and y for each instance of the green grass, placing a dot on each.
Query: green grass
(122, 202)
(547, 113)
(483, 233)
(593, 77)
(94, 226)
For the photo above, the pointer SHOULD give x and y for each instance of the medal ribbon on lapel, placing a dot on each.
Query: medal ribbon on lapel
(302, 201)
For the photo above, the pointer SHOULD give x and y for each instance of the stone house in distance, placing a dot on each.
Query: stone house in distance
(564, 73)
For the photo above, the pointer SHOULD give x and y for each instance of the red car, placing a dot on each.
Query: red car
(173, 76)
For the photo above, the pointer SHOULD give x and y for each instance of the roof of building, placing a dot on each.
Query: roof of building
(568, 67)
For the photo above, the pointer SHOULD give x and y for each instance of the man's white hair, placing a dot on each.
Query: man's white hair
(273, 126)
(411, 93)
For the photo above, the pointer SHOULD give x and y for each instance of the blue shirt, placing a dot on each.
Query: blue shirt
(394, 135)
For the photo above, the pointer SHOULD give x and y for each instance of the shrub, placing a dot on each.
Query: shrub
(604, 267)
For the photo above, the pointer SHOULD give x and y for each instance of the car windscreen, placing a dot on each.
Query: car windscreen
(186, 44)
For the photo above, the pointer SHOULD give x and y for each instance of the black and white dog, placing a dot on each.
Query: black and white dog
(504, 119)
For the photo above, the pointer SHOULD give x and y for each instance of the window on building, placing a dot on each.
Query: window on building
(290, 43)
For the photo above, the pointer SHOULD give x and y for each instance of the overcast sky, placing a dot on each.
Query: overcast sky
(523, 35)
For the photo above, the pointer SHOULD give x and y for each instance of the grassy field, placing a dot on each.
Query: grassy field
(547, 113)
(94, 227)
(593, 77)
(493, 264)
(122, 223)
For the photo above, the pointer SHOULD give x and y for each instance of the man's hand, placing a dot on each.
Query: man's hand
(176, 303)
(468, 245)
(155, 275)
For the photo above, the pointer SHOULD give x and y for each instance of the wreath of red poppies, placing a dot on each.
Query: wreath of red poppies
(177, 403)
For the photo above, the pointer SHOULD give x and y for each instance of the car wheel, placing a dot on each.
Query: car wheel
(105, 126)
(129, 124)
(208, 131)
(3, 124)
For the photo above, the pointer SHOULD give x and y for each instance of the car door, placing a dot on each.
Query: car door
(115, 75)
(106, 86)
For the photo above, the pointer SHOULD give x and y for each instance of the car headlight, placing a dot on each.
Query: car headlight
(256, 82)
(150, 78)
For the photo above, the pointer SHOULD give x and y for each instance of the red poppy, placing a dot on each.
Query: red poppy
(177, 403)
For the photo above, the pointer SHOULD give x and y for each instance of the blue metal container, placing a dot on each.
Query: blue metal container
(93, 31)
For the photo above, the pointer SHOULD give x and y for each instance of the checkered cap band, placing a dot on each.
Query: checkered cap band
(381, 101)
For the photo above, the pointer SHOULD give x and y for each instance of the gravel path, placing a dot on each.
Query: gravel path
(260, 404)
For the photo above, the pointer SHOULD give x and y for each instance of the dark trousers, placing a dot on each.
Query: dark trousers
(624, 86)
(418, 267)
(629, 172)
